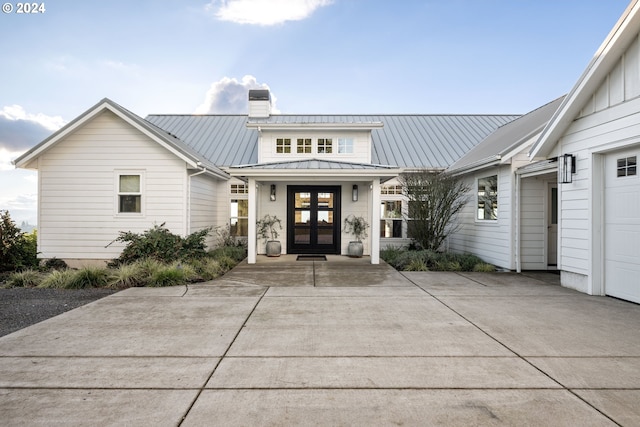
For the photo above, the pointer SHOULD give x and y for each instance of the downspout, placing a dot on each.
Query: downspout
(188, 219)
(518, 213)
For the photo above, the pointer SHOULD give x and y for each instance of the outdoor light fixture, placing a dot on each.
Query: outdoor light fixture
(354, 193)
(272, 195)
(567, 167)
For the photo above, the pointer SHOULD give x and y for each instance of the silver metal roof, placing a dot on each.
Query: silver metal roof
(507, 138)
(405, 140)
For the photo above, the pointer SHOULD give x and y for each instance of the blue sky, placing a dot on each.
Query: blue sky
(316, 56)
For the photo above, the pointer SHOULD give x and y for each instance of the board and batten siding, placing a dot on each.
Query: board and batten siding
(78, 189)
(208, 205)
(489, 240)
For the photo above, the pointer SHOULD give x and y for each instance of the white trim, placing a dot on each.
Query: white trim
(375, 221)
(475, 209)
(117, 173)
(252, 236)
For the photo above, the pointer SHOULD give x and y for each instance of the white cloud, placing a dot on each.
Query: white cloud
(264, 12)
(20, 130)
(16, 112)
(230, 96)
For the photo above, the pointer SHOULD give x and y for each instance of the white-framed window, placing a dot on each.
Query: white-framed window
(487, 200)
(345, 145)
(391, 189)
(303, 146)
(129, 192)
(325, 145)
(238, 189)
(239, 218)
(391, 218)
(283, 145)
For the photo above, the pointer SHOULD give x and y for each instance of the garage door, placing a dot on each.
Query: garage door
(622, 225)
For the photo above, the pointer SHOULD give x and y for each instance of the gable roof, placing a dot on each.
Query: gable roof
(405, 140)
(168, 141)
(605, 58)
(507, 140)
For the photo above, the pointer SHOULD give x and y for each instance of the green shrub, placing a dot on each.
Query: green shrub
(25, 279)
(128, 276)
(226, 263)
(411, 260)
(55, 264)
(484, 267)
(160, 244)
(59, 279)
(206, 268)
(391, 253)
(90, 277)
(169, 275)
(237, 253)
(17, 249)
(416, 265)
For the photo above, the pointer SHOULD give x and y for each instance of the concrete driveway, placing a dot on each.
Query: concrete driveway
(341, 342)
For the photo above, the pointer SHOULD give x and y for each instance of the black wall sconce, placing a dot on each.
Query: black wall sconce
(354, 193)
(567, 165)
(272, 194)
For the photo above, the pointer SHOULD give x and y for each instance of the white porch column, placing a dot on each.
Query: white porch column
(252, 250)
(375, 221)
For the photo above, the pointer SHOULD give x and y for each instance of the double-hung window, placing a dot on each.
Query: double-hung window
(239, 223)
(391, 218)
(325, 145)
(345, 145)
(129, 193)
(487, 208)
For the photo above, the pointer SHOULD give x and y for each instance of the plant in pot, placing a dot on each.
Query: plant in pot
(357, 227)
(268, 228)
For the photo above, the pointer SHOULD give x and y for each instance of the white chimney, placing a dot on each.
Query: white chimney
(259, 103)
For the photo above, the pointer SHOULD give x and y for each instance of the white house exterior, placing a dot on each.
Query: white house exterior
(511, 207)
(110, 171)
(598, 126)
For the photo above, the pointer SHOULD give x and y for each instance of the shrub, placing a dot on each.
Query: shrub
(391, 253)
(416, 265)
(226, 263)
(89, 277)
(206, 268)
(412, 260)
(25, 279)
(484, 267)
(128, 276)
(237, 253)
(160, 244)
(55, 264)
(169, 275)
(59, 279)
(17, 249)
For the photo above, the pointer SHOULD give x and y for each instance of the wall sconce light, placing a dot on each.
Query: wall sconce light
(354, 193)
(272, 194)
(567, 167)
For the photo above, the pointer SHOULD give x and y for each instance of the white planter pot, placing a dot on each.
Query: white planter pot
(355, 249)
(274, 248)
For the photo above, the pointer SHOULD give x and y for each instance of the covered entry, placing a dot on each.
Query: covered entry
(313, 219)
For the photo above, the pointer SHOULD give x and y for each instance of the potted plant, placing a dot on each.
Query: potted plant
(268, 228)
(356, 226)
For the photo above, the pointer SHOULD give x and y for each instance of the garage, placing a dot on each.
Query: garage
(622, 225)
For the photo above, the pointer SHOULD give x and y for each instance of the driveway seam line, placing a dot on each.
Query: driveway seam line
(204, 385)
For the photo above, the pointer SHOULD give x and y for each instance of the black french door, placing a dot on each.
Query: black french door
(313, 218)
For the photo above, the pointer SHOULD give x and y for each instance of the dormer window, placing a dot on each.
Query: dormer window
(345, 145)
(283, 145)
(325, 145)
(303, 146)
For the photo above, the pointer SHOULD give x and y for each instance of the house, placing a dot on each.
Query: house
(510, 216)
(109, 171)
(595, 135)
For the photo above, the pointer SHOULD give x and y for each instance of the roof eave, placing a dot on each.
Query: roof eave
(310, 126)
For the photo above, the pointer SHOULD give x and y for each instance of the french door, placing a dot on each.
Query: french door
(313, 219)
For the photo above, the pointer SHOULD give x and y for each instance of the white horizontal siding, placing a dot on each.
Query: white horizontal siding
(533, 223)
(208, 199)
(490, 240)
(78, 203)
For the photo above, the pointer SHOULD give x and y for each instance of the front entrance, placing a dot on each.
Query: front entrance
(313, 218)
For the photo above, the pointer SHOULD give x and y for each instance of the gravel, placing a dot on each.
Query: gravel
(22, 307)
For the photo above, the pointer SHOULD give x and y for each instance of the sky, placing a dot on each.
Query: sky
(315, 56)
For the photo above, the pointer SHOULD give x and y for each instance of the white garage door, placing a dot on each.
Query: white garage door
(622, 225)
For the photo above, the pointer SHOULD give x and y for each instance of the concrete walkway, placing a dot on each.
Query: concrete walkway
(341, 342)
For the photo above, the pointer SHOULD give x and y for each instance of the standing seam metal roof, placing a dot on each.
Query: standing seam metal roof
(405, 140)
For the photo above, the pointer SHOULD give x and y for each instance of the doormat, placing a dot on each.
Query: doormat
(311, 258)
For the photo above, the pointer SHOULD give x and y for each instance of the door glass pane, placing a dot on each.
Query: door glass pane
(325, 217)
(325, 200)
(303, 217)
(325, 236)
(302, 235)
(303, 200)
(554, 205)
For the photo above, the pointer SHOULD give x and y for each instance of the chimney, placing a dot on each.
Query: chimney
(259, 103)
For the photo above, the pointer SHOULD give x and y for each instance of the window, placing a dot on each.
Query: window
(488, 198)
(391, 218)
(345, 145)
(304, 146)
(239, 189)
(239, 223)
(325, 145)
(391, 189)
(129, 194)
(627, 166)
(283, 145)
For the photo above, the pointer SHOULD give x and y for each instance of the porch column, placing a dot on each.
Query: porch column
(375, 221)
(252, 250)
